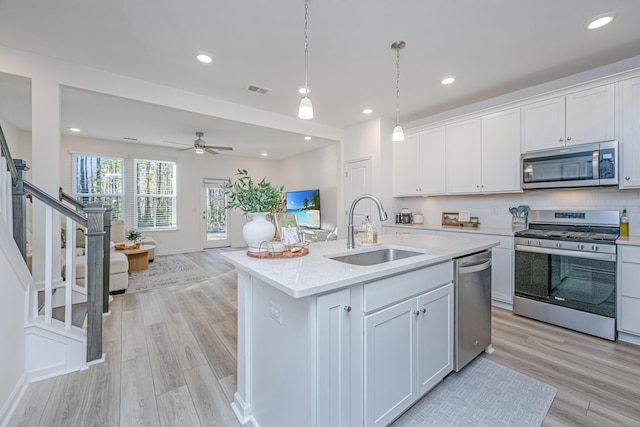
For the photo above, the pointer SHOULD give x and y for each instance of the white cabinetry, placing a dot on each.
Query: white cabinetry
(334, 354)
(578, 118)
(483, 154)
(501, 151)
(464, 142)
(418, 164)
(629, 291)
(630, 142)
(408, 350)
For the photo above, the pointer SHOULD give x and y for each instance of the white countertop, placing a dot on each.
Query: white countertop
(314, 273)
(437, 227)
(629, 240)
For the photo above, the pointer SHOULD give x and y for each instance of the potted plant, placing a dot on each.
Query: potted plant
(257, 200)
(133, 236)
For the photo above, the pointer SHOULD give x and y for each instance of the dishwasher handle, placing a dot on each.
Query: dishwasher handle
(475, 267)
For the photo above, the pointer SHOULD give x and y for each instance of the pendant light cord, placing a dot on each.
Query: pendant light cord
(306, 49)
(397, 85)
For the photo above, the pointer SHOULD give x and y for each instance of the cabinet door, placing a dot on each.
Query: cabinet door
(406, 166)
(435, 337)
(590, 115)
(630, 144)
(432, 161)
(390, 377)
(463, 157)
(333, 358)
(502, 275)
(501, 151)
(544, 124)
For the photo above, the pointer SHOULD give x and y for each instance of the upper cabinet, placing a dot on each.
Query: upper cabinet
(578, 118)
(418, 164)
(630, 141)
(483, 154)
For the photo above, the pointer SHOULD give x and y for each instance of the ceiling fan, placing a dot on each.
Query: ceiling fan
(199, 146)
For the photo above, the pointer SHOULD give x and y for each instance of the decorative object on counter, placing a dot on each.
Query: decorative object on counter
(407, 218)
(624, 223)
(474, 219)
(276, 250)
(398, 218)
(452, 219)
(368, 234)
(287, 229)
(256, 200)
(418, 218)
(519, 218)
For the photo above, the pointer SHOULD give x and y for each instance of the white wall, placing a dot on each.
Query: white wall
(13, 282)
(316, 169)
(191, 170)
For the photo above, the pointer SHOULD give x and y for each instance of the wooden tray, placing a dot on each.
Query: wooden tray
(282, 255)
(462, 224)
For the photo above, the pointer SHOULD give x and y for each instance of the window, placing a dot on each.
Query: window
(155, 194)
(99, 180)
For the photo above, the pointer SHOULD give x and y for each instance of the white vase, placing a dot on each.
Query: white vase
(257, 231)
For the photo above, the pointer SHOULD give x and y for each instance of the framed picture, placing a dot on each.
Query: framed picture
(450, 218)
(287, 229)
(464, 216)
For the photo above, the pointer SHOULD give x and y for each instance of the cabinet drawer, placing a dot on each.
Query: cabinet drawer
(630, 286)
(388, 291)
(630, 253)
(630, 315)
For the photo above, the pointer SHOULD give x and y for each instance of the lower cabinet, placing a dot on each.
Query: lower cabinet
(408, 350)
(629, 290)
(334, 358)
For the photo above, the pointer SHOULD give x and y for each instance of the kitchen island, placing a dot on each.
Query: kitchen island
(322, 342)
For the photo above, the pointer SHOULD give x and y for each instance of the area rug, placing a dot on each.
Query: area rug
(166, 270)
(484, 393)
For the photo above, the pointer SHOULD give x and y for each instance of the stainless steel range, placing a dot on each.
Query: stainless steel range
(565, 270)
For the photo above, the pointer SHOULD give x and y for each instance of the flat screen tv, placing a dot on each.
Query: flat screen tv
(305, 204)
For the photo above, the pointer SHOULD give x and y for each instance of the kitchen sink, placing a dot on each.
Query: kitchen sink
(375, 257)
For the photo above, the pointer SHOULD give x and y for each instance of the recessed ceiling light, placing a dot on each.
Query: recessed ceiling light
(264, 154)
(448, 80)
(600, 20)
(367, 111)
(304, 90)
(307, 138)
(74, 129)
(204, 57)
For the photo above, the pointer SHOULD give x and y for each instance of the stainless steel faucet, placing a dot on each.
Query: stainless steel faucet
(381, 212)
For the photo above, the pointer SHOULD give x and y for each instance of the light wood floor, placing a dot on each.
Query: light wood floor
(171, 361)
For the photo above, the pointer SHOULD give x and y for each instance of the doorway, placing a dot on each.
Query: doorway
(358, 174)
(214, 215)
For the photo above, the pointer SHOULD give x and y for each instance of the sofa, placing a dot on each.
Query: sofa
(118, 233)
(118, 265)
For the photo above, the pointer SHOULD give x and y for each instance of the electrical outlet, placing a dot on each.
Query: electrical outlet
(275, 312)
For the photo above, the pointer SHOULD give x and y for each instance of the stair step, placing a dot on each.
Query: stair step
(78, 314)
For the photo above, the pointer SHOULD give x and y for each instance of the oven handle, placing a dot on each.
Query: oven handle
(562, 252)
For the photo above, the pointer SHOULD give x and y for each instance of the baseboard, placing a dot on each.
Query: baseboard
(630, 338)
(501, 304)
(9, 407)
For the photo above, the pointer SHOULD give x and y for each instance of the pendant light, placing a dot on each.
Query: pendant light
(305, 111)
(398, 133)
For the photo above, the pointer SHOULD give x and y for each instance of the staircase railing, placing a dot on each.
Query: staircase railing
(14, 211)
(106, 242)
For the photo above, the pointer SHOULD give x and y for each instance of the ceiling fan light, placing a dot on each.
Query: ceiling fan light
(305, 111)
(199, 150)
(398, 133)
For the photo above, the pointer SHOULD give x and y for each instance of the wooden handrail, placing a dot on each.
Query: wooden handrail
(55, 204)
(4, 147)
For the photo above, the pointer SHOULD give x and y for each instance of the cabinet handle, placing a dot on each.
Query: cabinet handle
(627, 178)
(417, 313)
(347, 308)
(561, 139)
(424, 310)
(568, 138)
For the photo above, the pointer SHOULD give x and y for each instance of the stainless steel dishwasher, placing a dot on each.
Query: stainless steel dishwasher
(472, 324)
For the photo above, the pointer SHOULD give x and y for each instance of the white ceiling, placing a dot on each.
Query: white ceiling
(492, 47)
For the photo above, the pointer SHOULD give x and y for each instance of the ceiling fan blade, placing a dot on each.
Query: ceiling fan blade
(210, 151)
(177, 143)
(185, 149)
(215, 147)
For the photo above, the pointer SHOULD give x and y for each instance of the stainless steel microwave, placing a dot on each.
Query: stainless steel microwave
(587, 165)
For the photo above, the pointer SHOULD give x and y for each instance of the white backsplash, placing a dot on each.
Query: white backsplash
(493, 210)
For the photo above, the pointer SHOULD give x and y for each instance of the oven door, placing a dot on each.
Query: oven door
(577, 280)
